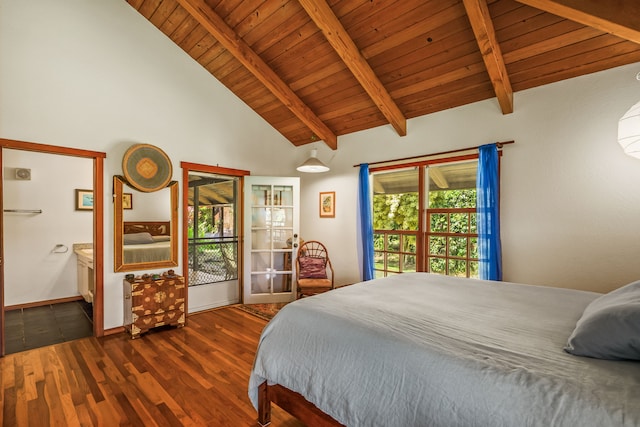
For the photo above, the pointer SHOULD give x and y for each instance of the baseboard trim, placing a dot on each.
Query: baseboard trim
(217, 304)
(42, 303)
(113, 331)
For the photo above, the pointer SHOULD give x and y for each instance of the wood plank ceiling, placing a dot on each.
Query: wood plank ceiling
(318, 69)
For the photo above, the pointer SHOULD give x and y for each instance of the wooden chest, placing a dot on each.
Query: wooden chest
(150, 303)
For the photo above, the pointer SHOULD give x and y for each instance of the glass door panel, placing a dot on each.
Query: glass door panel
(271, 226)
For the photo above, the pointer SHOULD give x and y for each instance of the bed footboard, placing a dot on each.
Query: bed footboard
(293, 403)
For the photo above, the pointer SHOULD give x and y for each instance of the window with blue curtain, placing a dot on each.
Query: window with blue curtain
(488, 218)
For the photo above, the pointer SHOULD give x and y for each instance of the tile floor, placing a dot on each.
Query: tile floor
(36, 327)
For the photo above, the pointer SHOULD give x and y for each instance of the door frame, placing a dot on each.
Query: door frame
(188, 167)
(98, 225)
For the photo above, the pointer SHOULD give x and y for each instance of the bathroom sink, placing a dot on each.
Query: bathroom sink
(85, 253)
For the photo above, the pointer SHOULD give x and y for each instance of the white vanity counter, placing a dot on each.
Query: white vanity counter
(84, 252)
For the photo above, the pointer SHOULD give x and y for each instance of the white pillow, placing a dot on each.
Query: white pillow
(610, 326)
(137, 238)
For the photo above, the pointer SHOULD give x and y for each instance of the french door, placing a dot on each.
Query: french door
(271, 224)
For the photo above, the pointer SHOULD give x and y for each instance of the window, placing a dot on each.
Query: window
(396, 214)
(430, 227)
(452, 242)
(451, 233)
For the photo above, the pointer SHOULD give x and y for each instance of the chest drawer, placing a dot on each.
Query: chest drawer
(151, 303)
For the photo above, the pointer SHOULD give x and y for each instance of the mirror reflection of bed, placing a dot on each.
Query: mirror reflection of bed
(146, 241)
(145, 227)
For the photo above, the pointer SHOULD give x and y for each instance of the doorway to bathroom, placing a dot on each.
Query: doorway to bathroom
(52, 199)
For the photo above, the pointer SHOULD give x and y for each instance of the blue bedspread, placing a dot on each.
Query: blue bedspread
(427, 350)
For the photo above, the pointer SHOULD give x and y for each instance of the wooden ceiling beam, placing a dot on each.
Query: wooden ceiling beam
(225, 35)
(478, 13)
(320, 12)
(618, 17)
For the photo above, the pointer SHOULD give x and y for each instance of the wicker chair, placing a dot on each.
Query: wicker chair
(315, 272)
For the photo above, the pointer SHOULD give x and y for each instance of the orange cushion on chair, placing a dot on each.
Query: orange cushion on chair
(314, 283)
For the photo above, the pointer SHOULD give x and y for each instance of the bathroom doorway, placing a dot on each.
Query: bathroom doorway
(43, 220)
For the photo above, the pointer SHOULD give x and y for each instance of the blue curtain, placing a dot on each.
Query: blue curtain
(366, 223)
(489, 247)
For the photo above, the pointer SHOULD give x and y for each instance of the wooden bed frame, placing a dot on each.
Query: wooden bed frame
(155, 228)
(292, 402)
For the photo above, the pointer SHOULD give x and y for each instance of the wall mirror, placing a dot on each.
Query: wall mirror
(145, 227)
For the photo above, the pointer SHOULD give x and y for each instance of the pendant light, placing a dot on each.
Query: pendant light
(629, 131)
(313, 164)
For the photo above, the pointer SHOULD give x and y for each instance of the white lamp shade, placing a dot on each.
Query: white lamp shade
(312, 164)
(629, 131)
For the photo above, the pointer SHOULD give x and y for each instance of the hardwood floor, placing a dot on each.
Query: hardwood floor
(192, 376)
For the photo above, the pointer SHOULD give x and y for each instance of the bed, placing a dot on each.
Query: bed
(146, 241)
(427, 350)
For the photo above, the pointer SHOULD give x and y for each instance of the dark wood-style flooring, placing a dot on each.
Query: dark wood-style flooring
(191, 376)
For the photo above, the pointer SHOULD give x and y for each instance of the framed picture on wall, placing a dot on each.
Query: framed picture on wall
(328, 204)
(84, 200)
(127, 201)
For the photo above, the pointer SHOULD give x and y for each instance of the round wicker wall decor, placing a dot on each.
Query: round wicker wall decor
(146, 167)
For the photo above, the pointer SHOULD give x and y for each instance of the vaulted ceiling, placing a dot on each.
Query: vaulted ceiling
(318, 69)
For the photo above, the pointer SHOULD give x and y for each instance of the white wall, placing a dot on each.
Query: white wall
(97, 75)
(570, 198)
(155, 206)
(34, 268)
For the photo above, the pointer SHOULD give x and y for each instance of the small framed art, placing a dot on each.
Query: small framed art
(127, 201)
(84, 200)
(328, 204)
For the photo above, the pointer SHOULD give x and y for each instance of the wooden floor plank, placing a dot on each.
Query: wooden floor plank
(9, 406)
(192, 376)
(39, 414)
(52, 397)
